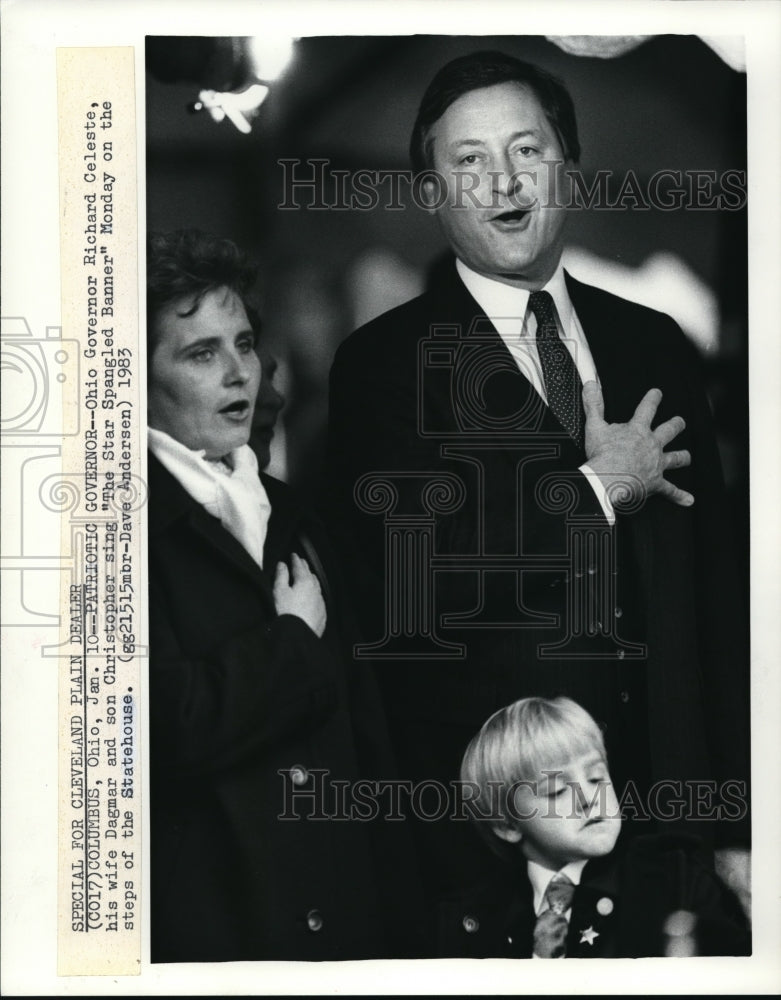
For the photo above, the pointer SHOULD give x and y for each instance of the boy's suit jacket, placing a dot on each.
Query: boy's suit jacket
(618, 911)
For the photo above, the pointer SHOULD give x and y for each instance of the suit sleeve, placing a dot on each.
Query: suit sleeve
(721, 612)
(217, 709)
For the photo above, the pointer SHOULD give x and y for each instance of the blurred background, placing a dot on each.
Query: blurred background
(671, 102)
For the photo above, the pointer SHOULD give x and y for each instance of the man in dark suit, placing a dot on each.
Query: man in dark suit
(512, 542)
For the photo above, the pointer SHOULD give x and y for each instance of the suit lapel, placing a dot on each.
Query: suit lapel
(593, 922)
(485, 352)
(519, 925)
(608, 346)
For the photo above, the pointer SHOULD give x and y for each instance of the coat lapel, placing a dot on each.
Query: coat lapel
(172, 503)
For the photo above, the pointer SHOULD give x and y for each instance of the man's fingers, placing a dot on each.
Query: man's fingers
(675, 495)
(669, 430)
(647, 407)
(676, 459)
(593, 402)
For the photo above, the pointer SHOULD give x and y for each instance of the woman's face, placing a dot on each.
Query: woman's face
(204, 374)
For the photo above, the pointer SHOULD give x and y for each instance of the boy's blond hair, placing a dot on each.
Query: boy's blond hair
(517, 744)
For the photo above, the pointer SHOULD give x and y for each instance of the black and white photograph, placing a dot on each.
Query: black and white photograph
(560, 536)
(453, 403)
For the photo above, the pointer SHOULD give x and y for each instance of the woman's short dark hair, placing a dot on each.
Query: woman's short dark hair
(487, 69)
(186, 265)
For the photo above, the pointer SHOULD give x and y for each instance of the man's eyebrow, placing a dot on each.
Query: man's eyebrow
(531, 133)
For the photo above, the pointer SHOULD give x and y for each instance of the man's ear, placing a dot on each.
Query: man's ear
(504, 831)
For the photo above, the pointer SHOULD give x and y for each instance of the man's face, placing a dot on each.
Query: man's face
(569, 814)
(500, 216)
(204, 374)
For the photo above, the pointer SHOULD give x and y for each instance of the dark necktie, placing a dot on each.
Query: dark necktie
(562, 382)
(550, 931)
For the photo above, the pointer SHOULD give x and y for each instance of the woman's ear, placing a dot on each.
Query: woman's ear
(511, 834)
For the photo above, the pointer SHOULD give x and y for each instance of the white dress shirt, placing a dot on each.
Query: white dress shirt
(507, 309)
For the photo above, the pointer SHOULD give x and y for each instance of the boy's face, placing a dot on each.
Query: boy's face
(569, 813)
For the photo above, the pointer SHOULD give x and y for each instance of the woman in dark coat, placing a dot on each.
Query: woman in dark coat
(253, 714)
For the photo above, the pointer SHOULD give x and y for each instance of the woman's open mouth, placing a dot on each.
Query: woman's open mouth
(238, 410)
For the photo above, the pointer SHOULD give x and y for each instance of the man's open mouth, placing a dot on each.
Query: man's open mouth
(512, 216)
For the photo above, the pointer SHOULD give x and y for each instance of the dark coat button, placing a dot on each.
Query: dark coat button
(471, 924)
(299, 775)
(314, 921)
(624, 696)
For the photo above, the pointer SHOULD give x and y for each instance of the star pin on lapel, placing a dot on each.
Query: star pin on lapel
(588, 936)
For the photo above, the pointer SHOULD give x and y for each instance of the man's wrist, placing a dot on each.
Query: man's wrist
(600, 490)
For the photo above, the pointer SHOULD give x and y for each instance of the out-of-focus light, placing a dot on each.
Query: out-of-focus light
(662, 278)
(269, 56)
(238, 108)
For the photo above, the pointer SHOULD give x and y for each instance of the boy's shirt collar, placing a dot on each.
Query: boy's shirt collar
(540, 877)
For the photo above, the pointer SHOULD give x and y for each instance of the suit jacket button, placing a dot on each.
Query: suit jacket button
(620, 654)
(618, 612)
(299, 776)
(471, 924)
(624, 696)
(314, 921)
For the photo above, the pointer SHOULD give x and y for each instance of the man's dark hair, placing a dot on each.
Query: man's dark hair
(188, 264)
(486, 69)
